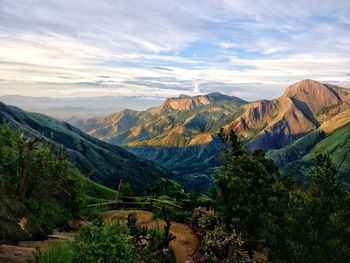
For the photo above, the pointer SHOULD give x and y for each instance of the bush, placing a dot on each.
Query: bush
(108, 243)
(217, 242)
(102, 242)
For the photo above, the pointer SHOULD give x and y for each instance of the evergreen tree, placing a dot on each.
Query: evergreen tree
(244, 187)
(315, 224)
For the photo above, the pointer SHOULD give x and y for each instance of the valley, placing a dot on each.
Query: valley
(145, 176)
(181, 134)
(174, 131)
(102, 162)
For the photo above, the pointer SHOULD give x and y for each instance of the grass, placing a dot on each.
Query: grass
(299, 156)
(61, 252)
(97, 191)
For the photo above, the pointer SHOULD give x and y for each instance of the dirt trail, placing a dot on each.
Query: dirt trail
(24, 250)
(184, 246)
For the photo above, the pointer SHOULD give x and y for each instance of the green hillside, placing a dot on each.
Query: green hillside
(179, 135)
(299, 156)
(107, 164)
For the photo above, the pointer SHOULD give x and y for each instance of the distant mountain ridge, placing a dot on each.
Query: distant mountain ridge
(182, 132)
(92, 107)
(179, 134)
(108, 164)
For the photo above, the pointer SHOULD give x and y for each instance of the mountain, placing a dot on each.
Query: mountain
(79, 107)
(181, 133)
(332, 137)
(305, 105)
(108, 164)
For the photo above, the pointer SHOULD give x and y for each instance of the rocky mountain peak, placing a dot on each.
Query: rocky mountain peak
(314, 94)
(184, 102)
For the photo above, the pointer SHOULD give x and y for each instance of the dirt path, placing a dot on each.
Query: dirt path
(184, 246)
(24, 250)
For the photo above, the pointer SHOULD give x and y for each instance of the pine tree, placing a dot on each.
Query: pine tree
(314, 226)
(244, 186)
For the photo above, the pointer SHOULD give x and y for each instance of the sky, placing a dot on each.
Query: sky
(160, 48)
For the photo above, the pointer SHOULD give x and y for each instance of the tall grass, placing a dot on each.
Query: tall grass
(61, 252)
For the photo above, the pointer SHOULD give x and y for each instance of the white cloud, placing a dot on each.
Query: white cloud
(61, 47)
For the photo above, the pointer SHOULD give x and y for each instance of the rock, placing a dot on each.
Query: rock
(15, 253)
(17, 223)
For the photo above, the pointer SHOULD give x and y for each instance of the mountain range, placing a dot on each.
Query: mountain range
(181, 133)
(105, 163)
(92, 107)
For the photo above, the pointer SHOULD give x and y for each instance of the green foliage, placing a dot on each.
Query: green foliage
(97, 191)
(126, 190)
(244, 186)
(9, 156)
(106, 243)
(172, 191)
(105, 162)
(314, 226)
(39, 175)
(61, 252)
(299, 156)
(296, 225)
(114, 243)
(171, 188)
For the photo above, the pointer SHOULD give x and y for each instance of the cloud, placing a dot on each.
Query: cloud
(62, 47)
(163, 68)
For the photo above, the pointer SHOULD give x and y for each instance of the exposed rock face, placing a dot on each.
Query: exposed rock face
(180, 134)
(276, 123)
(182, 131)
(183, 103)
(316, 95)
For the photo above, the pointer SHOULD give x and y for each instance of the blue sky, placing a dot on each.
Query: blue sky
(251, 49)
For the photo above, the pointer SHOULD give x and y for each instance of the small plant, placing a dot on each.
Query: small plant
(61, 252)
(132, 220)
(168, 237)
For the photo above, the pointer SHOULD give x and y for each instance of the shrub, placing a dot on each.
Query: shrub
(217, 242)
(106, 243)
(61, 252)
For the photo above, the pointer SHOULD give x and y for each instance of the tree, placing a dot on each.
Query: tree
(244, 186)
(315, 224)
(39, 175)
(329, 209)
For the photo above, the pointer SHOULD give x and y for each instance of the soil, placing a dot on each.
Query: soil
(24, 250)
(185, 245)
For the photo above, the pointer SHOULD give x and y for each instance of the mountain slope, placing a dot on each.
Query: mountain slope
(108, 164)
(179, 134)
(305, 105)
(332, 137)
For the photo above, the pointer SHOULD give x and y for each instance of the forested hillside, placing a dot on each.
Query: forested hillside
(105, 163)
